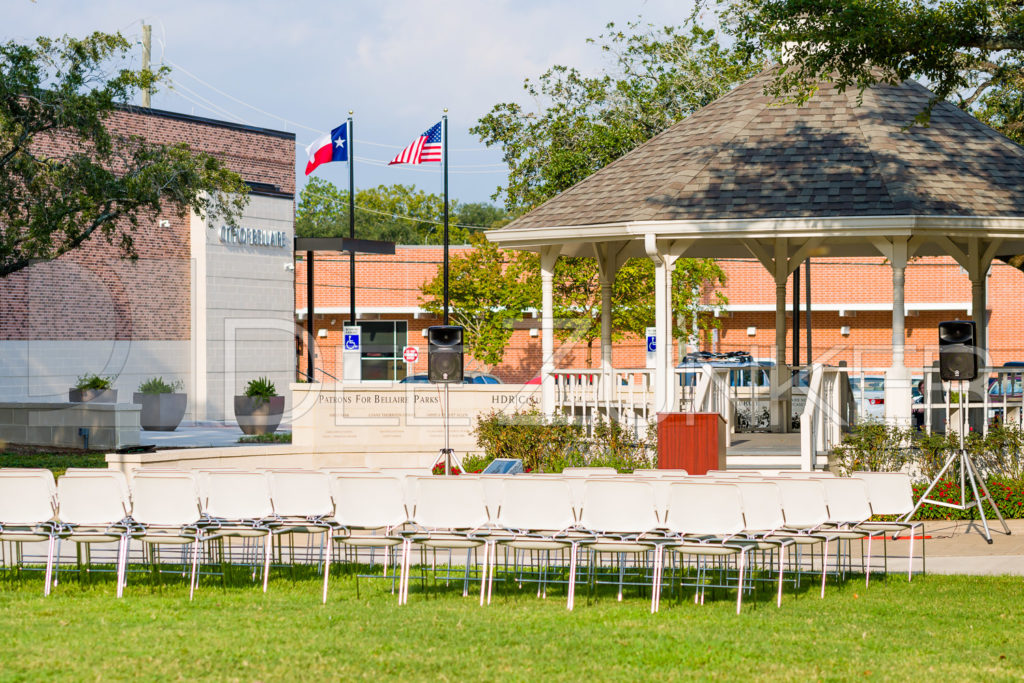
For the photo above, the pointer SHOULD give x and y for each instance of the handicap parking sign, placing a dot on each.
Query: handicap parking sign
(351, 338)
(652, 343)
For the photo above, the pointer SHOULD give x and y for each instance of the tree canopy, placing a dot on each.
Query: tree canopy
(582, 123)
(967, 51)
(64, 175)
(397, 213)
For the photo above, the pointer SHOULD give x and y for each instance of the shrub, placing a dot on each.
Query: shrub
(552, 445)
(474, 464)
(92, 381)
(157, 385)
(261, 387)
(438, 469)
(873, 446)
(1008, 495)
(528, 436)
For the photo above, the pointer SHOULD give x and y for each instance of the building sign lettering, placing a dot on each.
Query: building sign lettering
(254, 236)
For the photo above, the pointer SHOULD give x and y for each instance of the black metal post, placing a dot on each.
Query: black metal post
(351, 225)
(444, 152)
(310, 332)
(807, 307)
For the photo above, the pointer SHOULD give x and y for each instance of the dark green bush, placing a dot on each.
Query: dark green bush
(92, 381)
(261, 387)
(157, 385)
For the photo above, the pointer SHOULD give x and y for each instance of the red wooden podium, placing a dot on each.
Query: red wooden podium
(694, 442)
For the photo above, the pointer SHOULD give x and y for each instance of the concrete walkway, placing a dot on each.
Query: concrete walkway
(960, 548)
(199, 435)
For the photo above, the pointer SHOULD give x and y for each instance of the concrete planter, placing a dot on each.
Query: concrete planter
(92, 396)
(161, 412)
(258, 416)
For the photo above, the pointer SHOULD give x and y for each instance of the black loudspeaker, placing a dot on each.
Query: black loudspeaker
(958, 357)
(444, 354)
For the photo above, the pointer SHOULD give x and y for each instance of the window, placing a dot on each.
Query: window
(382, 342)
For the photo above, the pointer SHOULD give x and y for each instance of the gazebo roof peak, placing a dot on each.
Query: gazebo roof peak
(746, 157)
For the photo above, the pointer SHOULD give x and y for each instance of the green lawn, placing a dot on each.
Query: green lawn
(949, 628)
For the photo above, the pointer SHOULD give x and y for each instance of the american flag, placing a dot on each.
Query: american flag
(427, 147)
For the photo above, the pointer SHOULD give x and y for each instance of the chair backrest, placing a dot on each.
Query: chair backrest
(612, 505)
(589, 472)
(536, 504)
(890, 493)
(449, 502)
(802, 474)
(762, 505)
(405, 471)
(847, 499)
(117, 475)
(369, 502)
(92, 499)
(715, 509)
(165, 498)
(803, 501)
(301, 493)
(236, 495)
(26, 496)
(660, 474)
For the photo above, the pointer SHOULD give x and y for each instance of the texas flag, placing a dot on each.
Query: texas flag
(333, 147)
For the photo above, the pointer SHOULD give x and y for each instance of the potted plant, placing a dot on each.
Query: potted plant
(162, 404)
(259, 410)
(94, 388)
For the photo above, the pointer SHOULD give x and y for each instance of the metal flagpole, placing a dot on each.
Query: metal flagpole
(444, 158)
(351, 224)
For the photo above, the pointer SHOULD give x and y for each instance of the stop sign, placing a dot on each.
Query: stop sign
(410, 354)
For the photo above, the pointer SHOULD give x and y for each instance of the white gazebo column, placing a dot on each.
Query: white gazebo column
(607, 385)
(780, 405)
(548, 256)
(897, 377)
(663, 393)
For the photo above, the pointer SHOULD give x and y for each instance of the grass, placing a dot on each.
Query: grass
(275, 437)
(951, 627)
(57, 462)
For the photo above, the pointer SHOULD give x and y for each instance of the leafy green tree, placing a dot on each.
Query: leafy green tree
(577, 295)
(397, 213)
(65, 176)
(967, 51)
(583, 123)
(488, 290)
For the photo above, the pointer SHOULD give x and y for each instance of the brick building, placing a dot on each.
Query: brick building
(851, 313)
(204, 305)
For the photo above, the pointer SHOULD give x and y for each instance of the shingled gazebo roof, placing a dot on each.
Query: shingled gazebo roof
(745, 157)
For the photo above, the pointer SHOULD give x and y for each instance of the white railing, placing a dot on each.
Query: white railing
(828, 411)
(626, 394)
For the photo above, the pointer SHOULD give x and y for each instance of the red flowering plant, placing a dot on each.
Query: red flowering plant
(1008, 495)
(439, 469)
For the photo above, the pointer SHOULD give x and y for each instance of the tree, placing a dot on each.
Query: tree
(583, 123)
(58, 94)
(967, 51)
(396, 213)
(488, 290)
(578, 299)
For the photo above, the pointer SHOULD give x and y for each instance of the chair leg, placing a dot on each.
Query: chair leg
(571, 600)
(782, 569)
(268, 548)
(824, 568)
(193, 579)
(327, 565)
(739, 582)
(49, 566)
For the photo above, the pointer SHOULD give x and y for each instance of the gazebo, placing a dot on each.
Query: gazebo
(748, 176)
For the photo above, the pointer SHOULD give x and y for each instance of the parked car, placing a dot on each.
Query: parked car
(747, 371)
(873, 405)
(1010, 385)
(467, 378)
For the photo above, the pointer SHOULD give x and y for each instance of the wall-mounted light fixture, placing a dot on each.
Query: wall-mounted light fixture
(845, 330)
(751, 331)
(322, 332)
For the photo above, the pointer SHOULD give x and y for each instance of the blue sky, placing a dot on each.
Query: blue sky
(300, 66)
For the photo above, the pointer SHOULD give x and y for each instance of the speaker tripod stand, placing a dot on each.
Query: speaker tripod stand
(968, 473)
(447, 453)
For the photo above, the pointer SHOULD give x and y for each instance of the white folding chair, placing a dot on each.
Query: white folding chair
(538, 516)
(589, 472)
(450, 513)
(659, 474)
(27, 505)
(367, 511)
(848, 510)
(806, 509)
(238, 505)
(762, 510)
(891, 493)
(705, 520)
(622, 518)
(165, 510)
(303, 505)
(94, 507)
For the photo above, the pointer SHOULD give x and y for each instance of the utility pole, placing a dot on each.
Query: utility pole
(147, 42)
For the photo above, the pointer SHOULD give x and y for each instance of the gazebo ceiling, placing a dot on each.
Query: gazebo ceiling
(745, 167)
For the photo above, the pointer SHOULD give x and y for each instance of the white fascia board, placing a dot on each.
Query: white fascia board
(880, 306)
(300, 313)
(764, 228)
